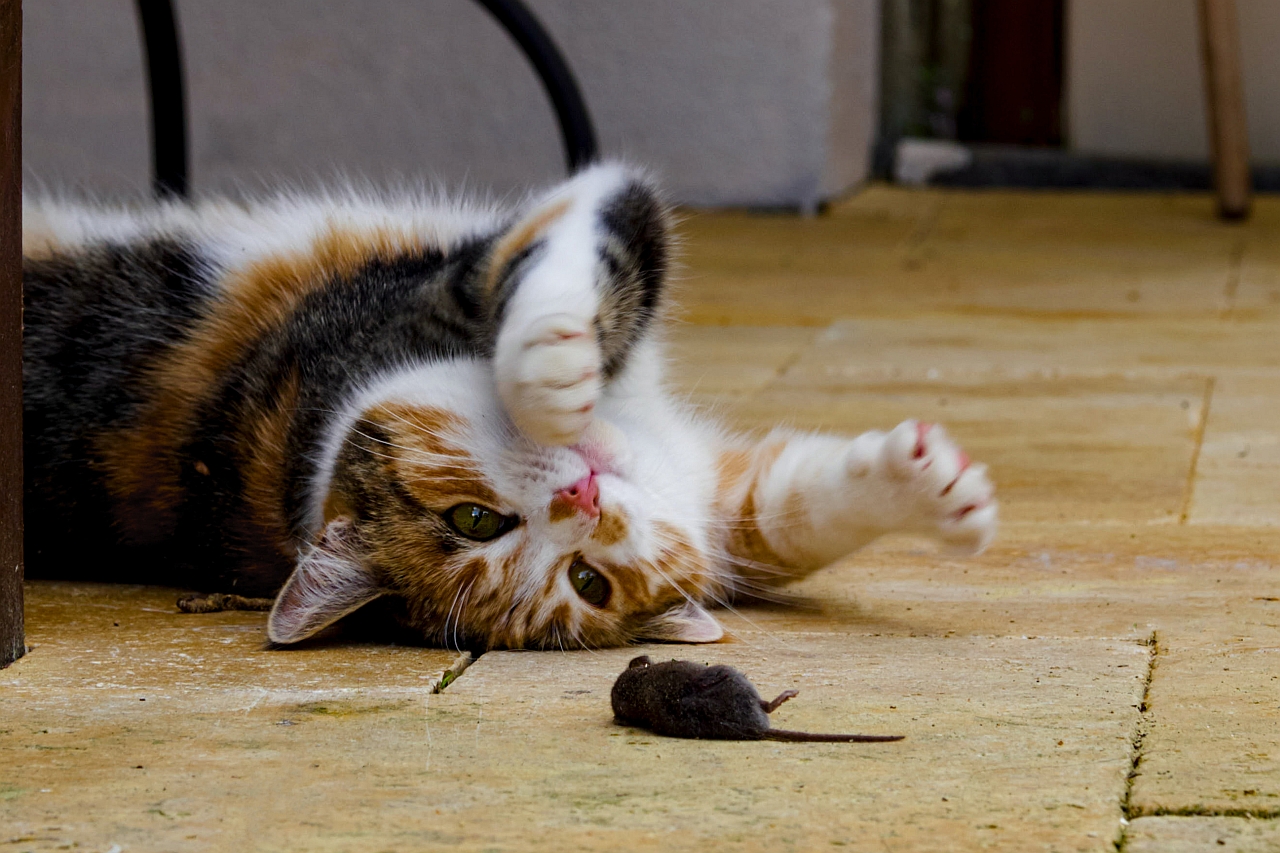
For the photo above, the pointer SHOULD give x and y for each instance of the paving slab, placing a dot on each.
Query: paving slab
(92, 637)
(1201, 586)
(520, 754)
(1238, 474)
(968, 350)
(1170, 834)
(1214, 739)
(887, 251)
(125, 713)
(781, 277)
(1045, 726)
(709, 361)
(1177, 223)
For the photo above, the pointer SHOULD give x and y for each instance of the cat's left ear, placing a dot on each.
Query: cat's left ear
(329, 582)
(688, 623)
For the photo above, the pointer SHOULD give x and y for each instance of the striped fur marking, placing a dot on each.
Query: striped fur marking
(521, 238)
(739, 472)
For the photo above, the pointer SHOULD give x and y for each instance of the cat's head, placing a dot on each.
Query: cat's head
(490, 540)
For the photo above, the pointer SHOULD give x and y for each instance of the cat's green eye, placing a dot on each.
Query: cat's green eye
(590, 585)
(478, 522)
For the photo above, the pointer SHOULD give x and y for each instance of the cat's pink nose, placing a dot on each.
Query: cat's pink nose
(583, 496)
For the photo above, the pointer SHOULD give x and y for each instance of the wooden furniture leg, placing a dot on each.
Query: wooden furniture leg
(11, 640)
(1228, 133)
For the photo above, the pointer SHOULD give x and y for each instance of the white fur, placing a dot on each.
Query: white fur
(857, 490)
(235, 234)
(547, 361)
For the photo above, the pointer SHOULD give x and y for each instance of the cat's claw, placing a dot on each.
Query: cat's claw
(548, 375)
(949, 494)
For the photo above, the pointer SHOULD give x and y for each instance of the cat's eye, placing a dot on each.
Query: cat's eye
(479, 522)
(590, 585)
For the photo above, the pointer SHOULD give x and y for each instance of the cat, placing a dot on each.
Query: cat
(454, 409)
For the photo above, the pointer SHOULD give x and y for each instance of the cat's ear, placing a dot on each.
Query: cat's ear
(329, 582)
(687, 623)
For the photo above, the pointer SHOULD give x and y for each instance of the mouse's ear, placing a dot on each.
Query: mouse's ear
(687, 623)
(329, 582)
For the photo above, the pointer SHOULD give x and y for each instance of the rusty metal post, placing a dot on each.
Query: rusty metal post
(11, 639)
(1224, 90)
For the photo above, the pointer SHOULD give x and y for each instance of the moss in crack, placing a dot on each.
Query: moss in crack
(454, 672)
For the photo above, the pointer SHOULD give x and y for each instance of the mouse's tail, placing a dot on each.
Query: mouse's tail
(812, 737)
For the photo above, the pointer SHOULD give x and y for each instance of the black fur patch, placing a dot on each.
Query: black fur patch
(635, 254)
(93, 321)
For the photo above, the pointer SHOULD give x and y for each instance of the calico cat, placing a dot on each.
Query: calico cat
(455, 409)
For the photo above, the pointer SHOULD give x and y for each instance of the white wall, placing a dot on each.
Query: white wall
(1134, 85)
(760, 102)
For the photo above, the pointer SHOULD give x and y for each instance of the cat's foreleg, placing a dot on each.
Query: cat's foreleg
(585, 269)
(812, 499)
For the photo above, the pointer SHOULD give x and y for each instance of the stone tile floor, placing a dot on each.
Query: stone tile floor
(1107, 674)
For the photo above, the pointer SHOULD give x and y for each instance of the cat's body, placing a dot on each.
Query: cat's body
(456, 409)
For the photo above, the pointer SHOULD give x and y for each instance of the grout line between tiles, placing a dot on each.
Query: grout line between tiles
(1189, 490)
(1140, 733)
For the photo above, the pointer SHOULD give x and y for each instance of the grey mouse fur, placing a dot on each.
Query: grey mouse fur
(681, 698)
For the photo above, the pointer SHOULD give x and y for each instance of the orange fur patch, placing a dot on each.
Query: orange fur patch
(561, 509)
(521, 237)
(739, 473)
(142, 463)
(611, 528)
(264, 475)
(435, 470)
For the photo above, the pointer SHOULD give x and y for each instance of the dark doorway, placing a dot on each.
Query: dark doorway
(973, 70)
(1014, 89)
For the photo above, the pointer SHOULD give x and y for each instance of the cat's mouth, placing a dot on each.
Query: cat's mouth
(598, 460)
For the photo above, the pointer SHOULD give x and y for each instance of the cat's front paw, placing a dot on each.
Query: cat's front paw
(946, 493)
(549, 377)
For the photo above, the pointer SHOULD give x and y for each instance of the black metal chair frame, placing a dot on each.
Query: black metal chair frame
(168, 100)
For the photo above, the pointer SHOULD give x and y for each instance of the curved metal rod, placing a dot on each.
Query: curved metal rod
(168, 97)
(571, 111)
(168, 94)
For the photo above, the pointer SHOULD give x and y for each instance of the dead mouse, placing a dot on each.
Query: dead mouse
(681, 698)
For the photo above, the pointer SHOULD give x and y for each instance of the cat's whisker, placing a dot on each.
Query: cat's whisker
(449, 615)
(720, 601)
(414, 452)
(576, 635)
(461, 610)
